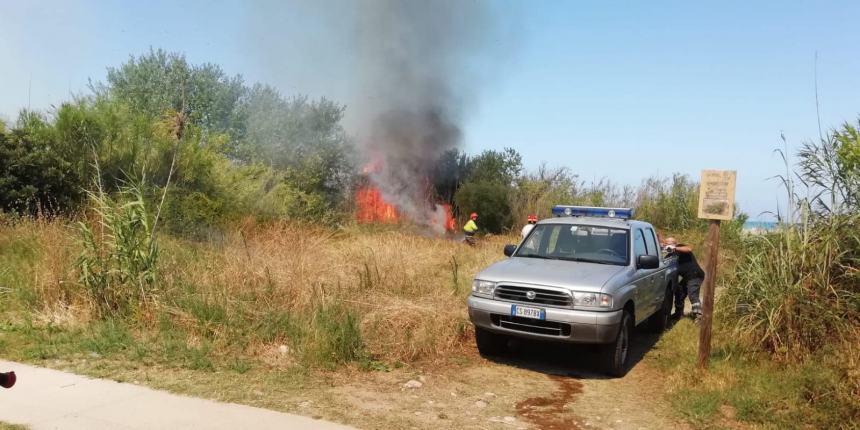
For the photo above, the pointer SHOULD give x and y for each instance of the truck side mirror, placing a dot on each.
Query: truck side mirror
(509, 250)
(648, 262)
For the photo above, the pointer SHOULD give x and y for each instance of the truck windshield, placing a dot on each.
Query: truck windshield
(594, 244)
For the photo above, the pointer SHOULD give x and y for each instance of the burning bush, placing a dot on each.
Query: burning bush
(371, 205)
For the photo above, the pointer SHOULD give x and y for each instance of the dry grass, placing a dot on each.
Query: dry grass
(407, 291)
(328, 296)
(36, 268)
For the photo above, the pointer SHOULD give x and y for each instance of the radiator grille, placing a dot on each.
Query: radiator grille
(541, 296)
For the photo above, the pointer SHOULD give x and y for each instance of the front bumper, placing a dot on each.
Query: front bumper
(576, 326)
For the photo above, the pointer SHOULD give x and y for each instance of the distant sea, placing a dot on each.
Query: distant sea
(759, 225)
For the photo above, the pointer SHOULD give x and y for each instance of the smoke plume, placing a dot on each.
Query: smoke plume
(421, 65)
(410, 72)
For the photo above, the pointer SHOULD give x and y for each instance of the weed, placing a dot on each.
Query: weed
(796, 290)
(276, 326)
(368, 277)
(455, 275)
(792, 293)
(46, 343)
(375, 365)
(696, 405)
(334, 337)
(241, 366)
(211, 316)
(118, 258)
(178, 349)
(107, 336)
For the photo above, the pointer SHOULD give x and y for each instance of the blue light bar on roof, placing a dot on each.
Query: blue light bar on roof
(620, 213)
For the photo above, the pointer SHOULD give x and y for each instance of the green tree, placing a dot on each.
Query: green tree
(158, 81)
(304, 140)
(489, 188)
(491, 200)
(451, 170)
(225, 150)
(496, 166)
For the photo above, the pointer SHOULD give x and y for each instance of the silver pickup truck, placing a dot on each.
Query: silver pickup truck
(586, 275)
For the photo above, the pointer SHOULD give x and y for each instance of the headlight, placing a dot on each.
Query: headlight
(592, 300)
(483, 288)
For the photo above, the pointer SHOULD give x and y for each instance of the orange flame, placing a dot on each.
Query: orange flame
(372, 208)
(450, 222)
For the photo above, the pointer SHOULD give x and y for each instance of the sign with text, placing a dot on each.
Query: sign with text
(717, 194)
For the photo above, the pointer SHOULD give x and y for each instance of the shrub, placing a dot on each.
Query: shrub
(34, 177)
(669, 203)
(795, 290)
(119, 253)
(192, 213)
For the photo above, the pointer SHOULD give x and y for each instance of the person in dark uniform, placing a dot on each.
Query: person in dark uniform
(691, 274)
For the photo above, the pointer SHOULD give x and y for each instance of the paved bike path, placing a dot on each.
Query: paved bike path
(51, 399)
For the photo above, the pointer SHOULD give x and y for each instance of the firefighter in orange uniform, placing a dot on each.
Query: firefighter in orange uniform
(470, 228)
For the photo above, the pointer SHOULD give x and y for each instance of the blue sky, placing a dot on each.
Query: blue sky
(622, 90)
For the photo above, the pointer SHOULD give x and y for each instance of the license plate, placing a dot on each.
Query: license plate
(527, 312)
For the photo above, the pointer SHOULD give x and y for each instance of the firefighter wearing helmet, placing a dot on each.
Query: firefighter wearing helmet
(470, 228)
(530, 224)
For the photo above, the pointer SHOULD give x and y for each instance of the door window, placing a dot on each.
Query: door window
(651, 242)
(639, 247)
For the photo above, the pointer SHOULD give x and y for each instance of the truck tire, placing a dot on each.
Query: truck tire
(658, 322)
(616, 354)
(489, 343)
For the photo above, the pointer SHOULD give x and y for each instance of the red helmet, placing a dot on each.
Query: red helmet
(474, 215)
(532, 218)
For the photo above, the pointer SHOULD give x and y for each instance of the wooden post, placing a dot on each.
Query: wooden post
(716, 202)
(707, 293)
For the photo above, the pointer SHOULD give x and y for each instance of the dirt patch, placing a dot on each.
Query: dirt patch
(548, 413)
(469, 394)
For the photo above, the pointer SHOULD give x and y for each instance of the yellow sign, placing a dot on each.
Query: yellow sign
(717, 194)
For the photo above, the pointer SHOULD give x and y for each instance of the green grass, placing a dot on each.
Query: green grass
(757, 391)
(7, 426)
(336, 338)
(329, 339)
(106, 337)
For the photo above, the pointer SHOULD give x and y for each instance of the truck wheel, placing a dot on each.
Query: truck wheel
(616, 353)
(658, 322)
(489, 343)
